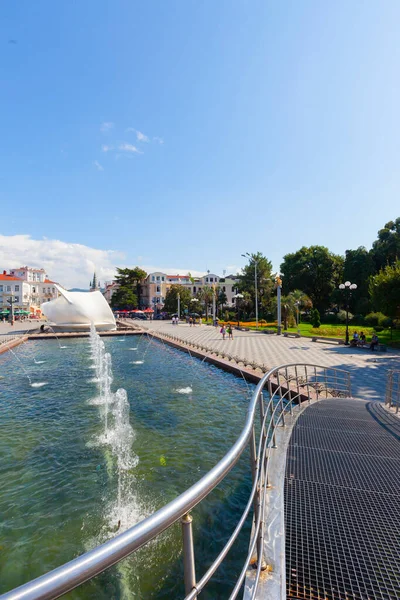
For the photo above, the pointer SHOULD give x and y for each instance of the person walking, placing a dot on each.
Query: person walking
(229, 331)
(223, 331)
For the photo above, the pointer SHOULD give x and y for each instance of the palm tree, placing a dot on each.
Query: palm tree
(206, 295)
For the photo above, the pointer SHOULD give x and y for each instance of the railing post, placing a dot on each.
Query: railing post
(298, 387)
(189, 571)
(282, 416)
(289, 392)
(307, 384)
(262, 416)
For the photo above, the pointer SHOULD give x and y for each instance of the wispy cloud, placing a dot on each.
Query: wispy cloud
(141, 137)
(106, 126)
(106, 148)
(125, 147)
(70, 264)
(158, 139)
(98, 165)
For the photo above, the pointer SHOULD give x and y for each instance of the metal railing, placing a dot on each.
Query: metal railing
(6, 338)
(274, 399)
(392, 397)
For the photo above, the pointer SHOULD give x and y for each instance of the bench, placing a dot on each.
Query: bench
(380, 348)
(326, 339)
(291, 334)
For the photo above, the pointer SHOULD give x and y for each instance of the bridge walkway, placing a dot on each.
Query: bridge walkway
(342, 503)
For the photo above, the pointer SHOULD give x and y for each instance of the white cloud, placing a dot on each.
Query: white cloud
(141, 137)
(107, 126)
(71, 265)
(158, 139)
(125, 147)
(98, 165)
(106, 148)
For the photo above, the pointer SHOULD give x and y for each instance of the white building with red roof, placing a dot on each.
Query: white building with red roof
(29, 288)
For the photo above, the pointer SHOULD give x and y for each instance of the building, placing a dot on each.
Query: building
(156, 285)
(28, 287)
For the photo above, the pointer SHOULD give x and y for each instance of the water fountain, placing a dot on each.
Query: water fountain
(32, 384)
(118, 433)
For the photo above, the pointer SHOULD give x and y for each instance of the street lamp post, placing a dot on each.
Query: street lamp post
(179, 306)
(252, 259)
(213, 304)
(297, 304)
(278, 283)
(11, 313)
(237, 297)
(347, 288)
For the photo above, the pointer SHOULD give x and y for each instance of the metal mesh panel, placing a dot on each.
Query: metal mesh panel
(342, 505)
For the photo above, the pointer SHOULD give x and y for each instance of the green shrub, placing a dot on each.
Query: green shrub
(375, 318)
(315, 318)
(330, 318)
(342, 316)
(386, 322)
(378, 328)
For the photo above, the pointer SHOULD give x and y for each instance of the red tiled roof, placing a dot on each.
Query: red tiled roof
(9, 278)
(47, 281)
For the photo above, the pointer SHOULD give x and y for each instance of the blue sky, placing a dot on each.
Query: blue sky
(182, 134)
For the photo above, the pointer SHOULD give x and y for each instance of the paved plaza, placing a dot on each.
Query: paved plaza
(368, 369)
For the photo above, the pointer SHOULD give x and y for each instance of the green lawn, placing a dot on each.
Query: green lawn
(339, 331)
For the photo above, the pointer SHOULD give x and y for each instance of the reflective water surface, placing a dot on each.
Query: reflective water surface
(62, 488)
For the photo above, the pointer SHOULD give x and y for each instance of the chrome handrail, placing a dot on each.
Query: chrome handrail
(286, 385)
(392, 397)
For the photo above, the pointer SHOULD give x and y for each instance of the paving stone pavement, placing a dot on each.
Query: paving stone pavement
(368, 369)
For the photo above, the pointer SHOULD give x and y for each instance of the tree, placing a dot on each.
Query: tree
(171, 298)
(131, 279)
(385, 290)
(222, 299)
(386, 249)
(124, 298)
(314, 270)
(315, 318)
(265, 285)
(205, 295)
(358, 268)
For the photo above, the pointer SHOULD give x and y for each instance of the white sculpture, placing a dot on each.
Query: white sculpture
(75, 311)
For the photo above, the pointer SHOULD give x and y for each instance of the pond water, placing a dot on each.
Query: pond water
(60, 487)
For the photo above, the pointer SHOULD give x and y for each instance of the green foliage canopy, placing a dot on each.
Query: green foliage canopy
(385, 290)
(314, 270)
(171, 298)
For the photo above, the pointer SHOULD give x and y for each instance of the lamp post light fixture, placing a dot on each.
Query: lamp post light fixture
(252, 259)
(237, 297)
(347, 287)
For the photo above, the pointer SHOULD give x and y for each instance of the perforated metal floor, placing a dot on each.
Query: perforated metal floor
(342, 503)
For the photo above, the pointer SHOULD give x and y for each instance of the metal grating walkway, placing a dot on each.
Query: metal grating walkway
(342, 503)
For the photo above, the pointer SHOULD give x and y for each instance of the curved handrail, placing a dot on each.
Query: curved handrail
(68, 576)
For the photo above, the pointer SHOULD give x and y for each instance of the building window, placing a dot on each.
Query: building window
(153, 278)
(158, 289)
(16, 288)
(44, 290)
(34, 290)
(1, 288)
(162, 278)
(16, 298)
(158, 278)
(207, 279)
(211, 278)
(223, 288)
(53, 290)
(9, 288)
(194, 289)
